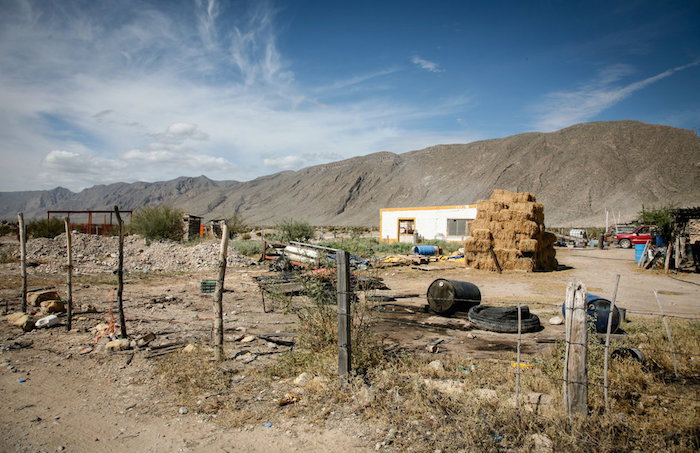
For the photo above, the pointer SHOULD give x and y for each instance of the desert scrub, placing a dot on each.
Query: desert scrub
(295, 230)
(158, 223)
(45, 228)
(247, 248)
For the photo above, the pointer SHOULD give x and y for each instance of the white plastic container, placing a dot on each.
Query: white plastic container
(48, 321)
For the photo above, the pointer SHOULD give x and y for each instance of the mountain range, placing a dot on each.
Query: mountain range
(577, 173)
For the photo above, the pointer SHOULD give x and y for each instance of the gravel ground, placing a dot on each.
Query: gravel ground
(96, 254)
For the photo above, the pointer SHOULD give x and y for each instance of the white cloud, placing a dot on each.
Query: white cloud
(564, 108)
(152, 102)
(283, 162)
(425, 64)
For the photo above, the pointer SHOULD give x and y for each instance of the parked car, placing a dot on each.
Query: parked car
(639, 236)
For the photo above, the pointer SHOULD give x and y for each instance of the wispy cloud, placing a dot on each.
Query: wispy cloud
(166, 95)
(425, 64)
(564, 108)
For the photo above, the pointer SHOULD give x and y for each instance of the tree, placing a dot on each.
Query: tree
(661, 218)
(236, 225)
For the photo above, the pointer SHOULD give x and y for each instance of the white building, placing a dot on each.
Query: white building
(447, 223)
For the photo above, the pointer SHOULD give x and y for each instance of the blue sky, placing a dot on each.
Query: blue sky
(96, 92)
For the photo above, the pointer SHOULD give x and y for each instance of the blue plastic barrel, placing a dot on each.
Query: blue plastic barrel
(659, 241)
(598, 309)
(638, 250)
(426, 250)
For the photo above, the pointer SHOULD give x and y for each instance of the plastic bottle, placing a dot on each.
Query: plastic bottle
(48, 321)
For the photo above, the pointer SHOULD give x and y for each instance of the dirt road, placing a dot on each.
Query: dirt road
(56, 399)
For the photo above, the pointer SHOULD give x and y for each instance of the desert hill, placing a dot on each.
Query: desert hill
(576, 172)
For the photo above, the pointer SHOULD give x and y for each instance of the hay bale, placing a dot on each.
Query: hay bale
(507, 257)
(504, 216)
(482, 233)
(479, 224)
(515, 224)
(533, 211)
(528, 245)
(508, 197)
(548, 239)
(525, 264)
(489, 206)
(472, 244)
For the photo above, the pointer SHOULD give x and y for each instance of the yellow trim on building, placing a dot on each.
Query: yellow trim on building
(429, 208)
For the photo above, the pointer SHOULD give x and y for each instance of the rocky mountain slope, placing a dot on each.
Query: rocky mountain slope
(576, 172)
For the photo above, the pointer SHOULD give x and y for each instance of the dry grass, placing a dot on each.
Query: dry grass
(469, 405)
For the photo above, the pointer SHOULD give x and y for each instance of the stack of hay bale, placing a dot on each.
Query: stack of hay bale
(513, 225)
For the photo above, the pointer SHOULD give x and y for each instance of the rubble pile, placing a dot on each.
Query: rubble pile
(512, 224)
(94, 254)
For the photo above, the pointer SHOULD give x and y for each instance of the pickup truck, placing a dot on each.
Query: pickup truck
(639, 236)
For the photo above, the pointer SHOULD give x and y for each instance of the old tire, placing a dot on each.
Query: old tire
(503, 319)
(625, 243)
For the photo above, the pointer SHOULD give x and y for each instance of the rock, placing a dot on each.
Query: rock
(37, 297)
(183, 410)
(118, 345)
(101, 327)
(88, 308)
(302, 379)
(541, 443)
(21, 320)
(248, 339)
(189, 348)
(556, 321)
(53, 306)
(436, 365)
(538, 403)
(488, 395)
(448, 387)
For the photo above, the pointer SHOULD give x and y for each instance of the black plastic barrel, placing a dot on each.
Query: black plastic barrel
(447, 296)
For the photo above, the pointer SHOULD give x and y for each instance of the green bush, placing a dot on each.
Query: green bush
(45, 228)
(248, 248)
(158, 223)
(9, 228)
(236, 225)
(295, 230)
(662, 218)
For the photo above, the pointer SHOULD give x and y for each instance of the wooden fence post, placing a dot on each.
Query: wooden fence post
(669, 250)
(668, 332)
(607, 343)
(69, 277)
(23, 254)
(576, 367)
(344, 314)
(517, 375)
(218, 299)
(120, 273)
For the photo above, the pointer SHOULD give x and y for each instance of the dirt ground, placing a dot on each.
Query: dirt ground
(61, 393)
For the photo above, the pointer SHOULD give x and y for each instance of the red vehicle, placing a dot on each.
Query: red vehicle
(639, 236)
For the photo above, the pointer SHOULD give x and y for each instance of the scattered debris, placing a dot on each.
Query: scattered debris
(289, 398)
(48, 321)
(433, 346)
